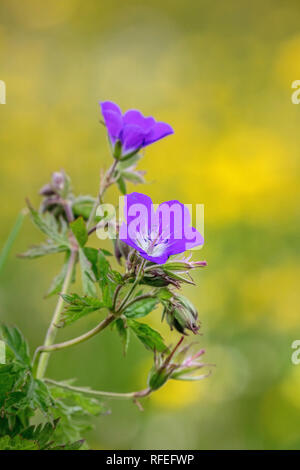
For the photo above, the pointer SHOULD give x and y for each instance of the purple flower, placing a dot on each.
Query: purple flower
(156, 235)
(131, 131)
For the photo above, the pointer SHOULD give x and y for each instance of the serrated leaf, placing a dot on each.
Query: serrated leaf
(124, 333)
(36, 251)
(87, 274)
(9, 374)
(141, 308)
(49, 226)
(27, 394)
(17, 443)
(92, 255)
(40, 437)
(41, 397)
(14, 339)
(150, 338)
(75, 411)
(79, 307)
(78, 228)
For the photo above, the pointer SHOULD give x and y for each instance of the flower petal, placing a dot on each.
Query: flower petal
(132, 138)
(110, 106)
(136, 118)
(159, 131)
(139, 213)
(174, 219)
(114, 124)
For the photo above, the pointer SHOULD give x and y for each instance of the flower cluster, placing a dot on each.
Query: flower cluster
(152, 242)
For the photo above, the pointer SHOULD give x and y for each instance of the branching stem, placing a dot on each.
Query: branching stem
(99, 393)
(44, 350)
(105, 183)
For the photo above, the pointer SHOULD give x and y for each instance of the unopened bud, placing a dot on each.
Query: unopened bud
(121, 250)
(47, 190)
(157, 378)
(181, 314)
(58, 180)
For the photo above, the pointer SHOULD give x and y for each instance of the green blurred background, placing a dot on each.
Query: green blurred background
(220, 73)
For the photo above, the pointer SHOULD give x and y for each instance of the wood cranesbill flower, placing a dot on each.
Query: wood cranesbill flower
(157, 234)
(131, 131)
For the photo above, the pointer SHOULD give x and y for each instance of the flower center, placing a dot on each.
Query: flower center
(153, 243)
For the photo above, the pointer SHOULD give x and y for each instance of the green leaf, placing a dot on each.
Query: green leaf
(27, 394)
(150, 338)
(135, 177)
(124, 333)
(82, 206)
(92, 255)
(17, 443)
(122, 185)
(21, 394)
(14, 339)
(130, 162)
(79, 307)
(87, 274)
(164, 294)
(37, 251)
(74, 411)
(41, 397)
(49, 226)
(9, 375)
(37, 438)
(78, 228)
(141, 308)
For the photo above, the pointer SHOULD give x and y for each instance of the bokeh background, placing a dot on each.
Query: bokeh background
(220, 73)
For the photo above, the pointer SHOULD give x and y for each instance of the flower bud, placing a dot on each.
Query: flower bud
(58, 181)
(121, 249)
(157, 378)
(47, 190)
(181, 314)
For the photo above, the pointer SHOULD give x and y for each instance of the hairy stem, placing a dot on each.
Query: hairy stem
(107, 181)
(98, 393)
(52, 330)
(48, 348)
(136, 282)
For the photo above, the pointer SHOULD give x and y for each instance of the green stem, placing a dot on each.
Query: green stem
(52, 330)
(104, 186)
(44, 350)
(99, 393)
(140, 297)
(11, 238)
(136, 282)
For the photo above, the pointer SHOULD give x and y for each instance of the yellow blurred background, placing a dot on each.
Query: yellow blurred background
(220, 73)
